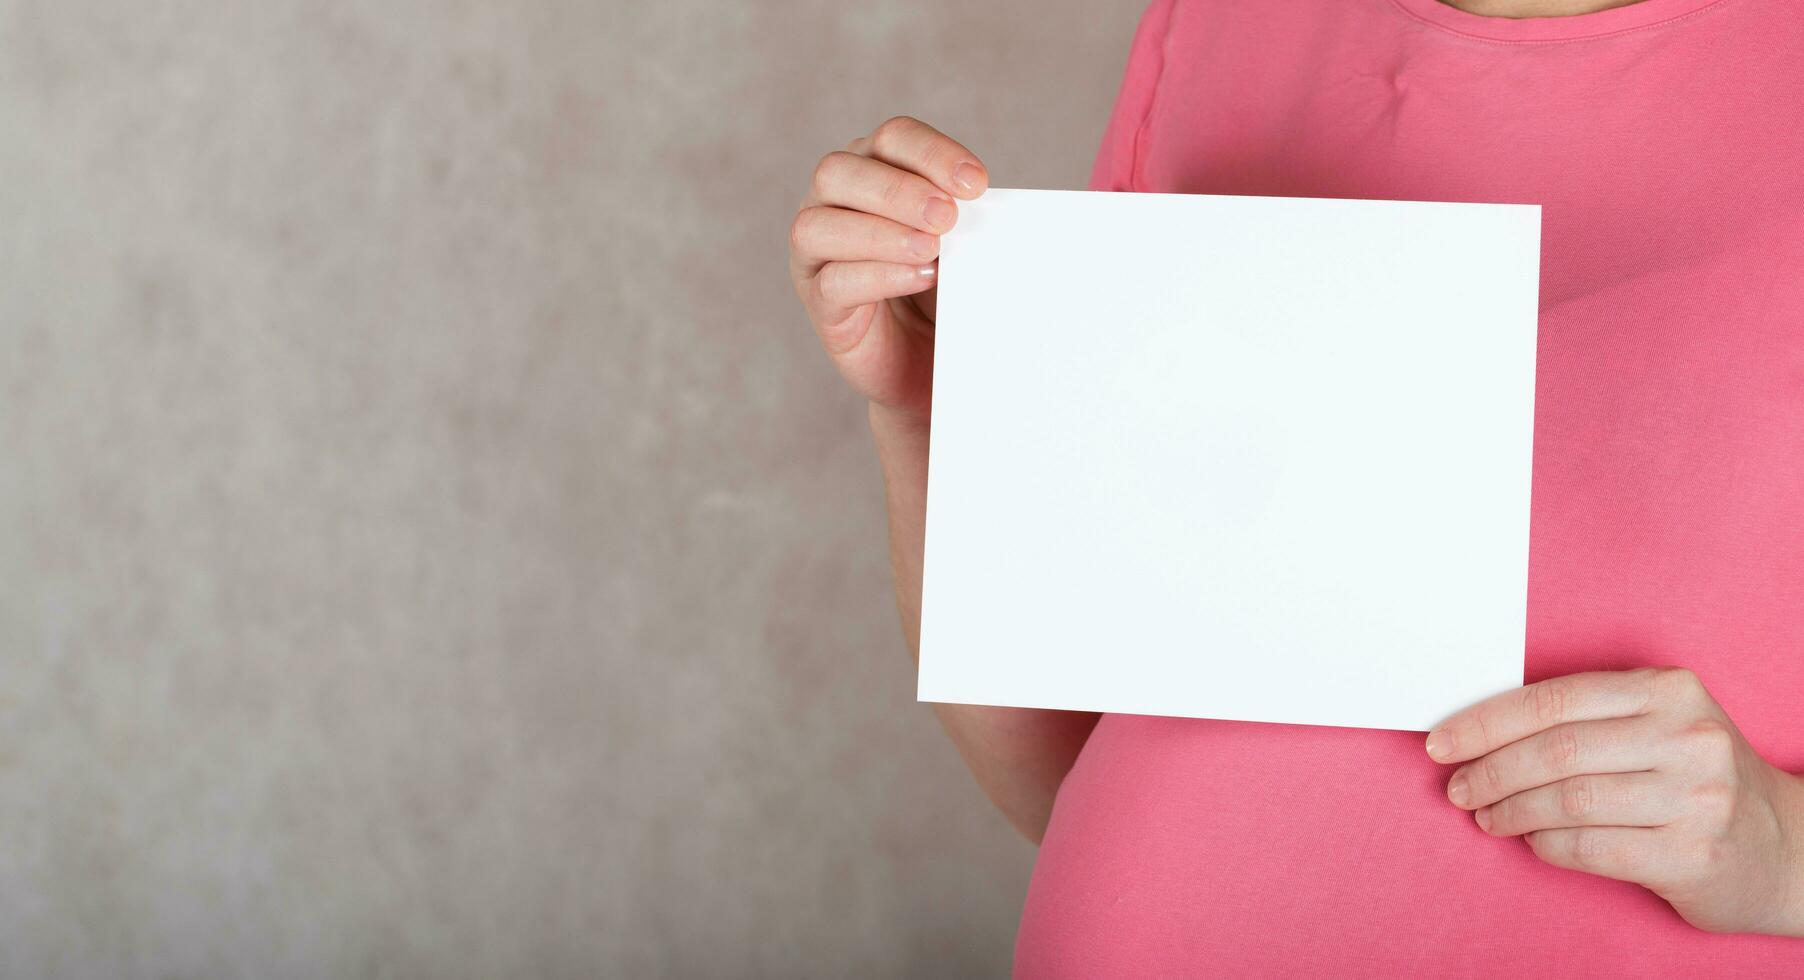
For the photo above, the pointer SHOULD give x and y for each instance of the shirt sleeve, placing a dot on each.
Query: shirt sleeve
(1117, 165)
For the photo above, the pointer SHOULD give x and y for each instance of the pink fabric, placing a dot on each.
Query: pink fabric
(1665, 141)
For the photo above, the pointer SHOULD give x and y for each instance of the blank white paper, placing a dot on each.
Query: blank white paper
(1264, 459)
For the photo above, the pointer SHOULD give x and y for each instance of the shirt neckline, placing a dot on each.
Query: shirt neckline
(1601, 23)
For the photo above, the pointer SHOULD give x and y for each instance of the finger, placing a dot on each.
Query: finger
(1583, 748)
(821, 235)
(842, 287)
(1493, 723)
(913, 145)
(859, 183)
(1625, 853)
(1614, 800)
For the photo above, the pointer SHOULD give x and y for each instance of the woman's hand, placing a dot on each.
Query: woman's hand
(862, 255)
(1637, 775)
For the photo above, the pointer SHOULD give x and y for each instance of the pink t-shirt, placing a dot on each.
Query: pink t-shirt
(1665, 141)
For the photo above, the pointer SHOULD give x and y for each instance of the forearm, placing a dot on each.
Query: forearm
(1019, 755)
(1789, 803)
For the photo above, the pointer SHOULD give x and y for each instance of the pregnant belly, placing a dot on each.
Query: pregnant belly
(1182, 847)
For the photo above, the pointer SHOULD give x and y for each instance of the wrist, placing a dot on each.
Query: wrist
(902, 439)
(1789, 793)
(896, 425)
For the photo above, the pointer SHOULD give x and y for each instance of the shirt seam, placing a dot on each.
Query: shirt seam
(1620, 32)
(1136, 153)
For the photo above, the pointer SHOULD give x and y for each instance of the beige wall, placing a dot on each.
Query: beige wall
(430, 542)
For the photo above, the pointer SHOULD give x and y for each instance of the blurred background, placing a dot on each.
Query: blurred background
(431, 543)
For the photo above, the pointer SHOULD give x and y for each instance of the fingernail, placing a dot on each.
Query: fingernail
(1439, 744)
(927, 271)
(922, 245)
(968, 177)
(1458, 791)
(1483, 816)
(938, 212)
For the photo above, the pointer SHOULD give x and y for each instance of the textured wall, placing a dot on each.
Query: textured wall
(430, 542)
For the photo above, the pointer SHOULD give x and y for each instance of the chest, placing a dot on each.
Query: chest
(1668, 513)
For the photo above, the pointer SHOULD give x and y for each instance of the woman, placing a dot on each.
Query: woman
(1648, 767)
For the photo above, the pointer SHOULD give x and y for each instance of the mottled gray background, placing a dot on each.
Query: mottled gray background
(431, 544)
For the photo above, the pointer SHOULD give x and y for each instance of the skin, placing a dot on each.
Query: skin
(862, 258)
(1636, 775)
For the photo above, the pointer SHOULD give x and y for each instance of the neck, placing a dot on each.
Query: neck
(1535, 8)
